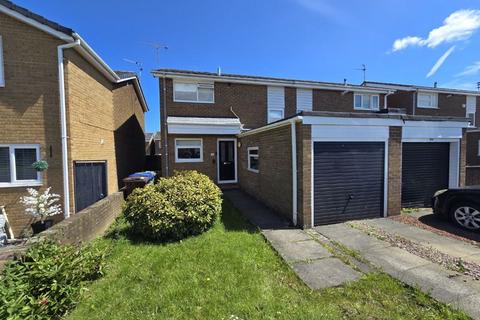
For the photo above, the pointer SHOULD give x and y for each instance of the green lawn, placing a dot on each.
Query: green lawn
(231, 271)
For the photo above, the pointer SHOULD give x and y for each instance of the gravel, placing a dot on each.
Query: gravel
(447, 261)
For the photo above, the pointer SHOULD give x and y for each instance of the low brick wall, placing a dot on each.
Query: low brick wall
(87, 224)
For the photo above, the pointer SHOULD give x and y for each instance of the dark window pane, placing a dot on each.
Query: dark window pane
(254, 163)
(4, 164)
(24, 158)
(188, 153)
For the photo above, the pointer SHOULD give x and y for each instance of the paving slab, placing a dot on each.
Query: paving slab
(350, 237)
(325, 273)
(301, 251)
(286, 235)
(470, 305)
(453, 247)
(311, 261)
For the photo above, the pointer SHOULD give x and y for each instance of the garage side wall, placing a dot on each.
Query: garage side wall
(304, 174)
(394, 204)
(273, 183)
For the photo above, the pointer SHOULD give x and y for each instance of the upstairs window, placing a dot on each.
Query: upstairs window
(188, 150)
(201, 92)
(275, 103)
(2, 72)
(471, 109)
(366, 101)
(275, 115)
(427, 100)
(253, 159)
(16, 165)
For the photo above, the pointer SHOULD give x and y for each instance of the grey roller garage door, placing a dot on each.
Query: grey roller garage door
(425, 167)
(348, 181)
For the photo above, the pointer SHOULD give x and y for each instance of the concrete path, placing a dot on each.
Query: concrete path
(452, 247)
(444, 285)
(312, 262)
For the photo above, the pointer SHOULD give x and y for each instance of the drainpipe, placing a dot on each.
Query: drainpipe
(385, 103)
(294, 172)
(165, 151)
(63, 124)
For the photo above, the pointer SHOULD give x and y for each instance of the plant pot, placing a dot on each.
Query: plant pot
(40, 226)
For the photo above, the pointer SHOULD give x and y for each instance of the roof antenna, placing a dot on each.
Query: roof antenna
(478, 86)
(364, 69)
(137, 63)
(219, 71)
(157, 47)
(435, 84)
(344, 81)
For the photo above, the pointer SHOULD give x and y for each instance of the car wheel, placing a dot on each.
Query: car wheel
(466, 215)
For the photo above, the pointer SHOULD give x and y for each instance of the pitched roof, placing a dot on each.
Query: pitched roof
(413, 87)
(267, 80)
(40, 19)
(125, 74)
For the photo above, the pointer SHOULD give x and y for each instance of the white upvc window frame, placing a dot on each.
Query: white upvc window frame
(249, 156)
(199, 84)
(13, 169)
(471, 110)
(2, 64)
(370, 97)
(191, 160)
(478, 150)
(271, 119)
(433, 96)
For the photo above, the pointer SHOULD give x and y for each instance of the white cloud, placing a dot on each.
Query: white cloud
(470, 70)
(463, 85)
(400, 44)
(458, 26)
(440, 61)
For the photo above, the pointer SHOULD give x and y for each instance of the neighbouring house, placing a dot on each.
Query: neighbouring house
(316, 152)
(60, 102)
(420, 100)
(152, 143)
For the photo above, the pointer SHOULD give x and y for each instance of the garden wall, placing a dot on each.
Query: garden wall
(87, 224)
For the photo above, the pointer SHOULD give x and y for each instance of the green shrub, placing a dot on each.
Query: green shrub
(47, 282)
(186, 204)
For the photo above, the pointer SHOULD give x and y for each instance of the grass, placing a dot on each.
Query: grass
(230, 272)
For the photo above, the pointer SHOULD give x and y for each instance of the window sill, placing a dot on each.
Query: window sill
(419, 107)
(366, 109)
(21, 184)
(193, 101)
(188, 161)
(253, 170)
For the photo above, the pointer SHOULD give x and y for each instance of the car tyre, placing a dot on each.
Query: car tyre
(466, 215)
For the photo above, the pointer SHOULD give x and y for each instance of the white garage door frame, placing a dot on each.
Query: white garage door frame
(349, 133)
(434, 132)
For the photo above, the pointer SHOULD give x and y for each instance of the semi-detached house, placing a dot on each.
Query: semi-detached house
(316, 152)
(60, 102)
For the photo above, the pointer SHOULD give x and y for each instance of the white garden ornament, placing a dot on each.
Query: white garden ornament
(41, 205)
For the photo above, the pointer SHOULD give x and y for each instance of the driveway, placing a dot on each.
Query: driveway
(448, 269)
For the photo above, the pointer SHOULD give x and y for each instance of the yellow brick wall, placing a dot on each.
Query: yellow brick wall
(89, 118)
(29, 111)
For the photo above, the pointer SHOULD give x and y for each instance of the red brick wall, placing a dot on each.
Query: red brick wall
(273, 184)
(394, 200)
(336, 101)
(304, 169)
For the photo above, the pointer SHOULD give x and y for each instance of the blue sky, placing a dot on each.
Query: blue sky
(398, 40)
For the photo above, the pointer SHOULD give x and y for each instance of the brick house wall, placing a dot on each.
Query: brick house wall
(90, 119)
(29, 112)
(336, 101)
(472, 159)
(208, 166)
(304, 175)
(275, 169)
(129, 131)
(394, 200)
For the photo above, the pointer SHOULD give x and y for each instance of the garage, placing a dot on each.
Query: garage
(425, 169)
(348, 181)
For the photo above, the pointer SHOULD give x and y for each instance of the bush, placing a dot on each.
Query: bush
(47, 282)
(186, 204)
